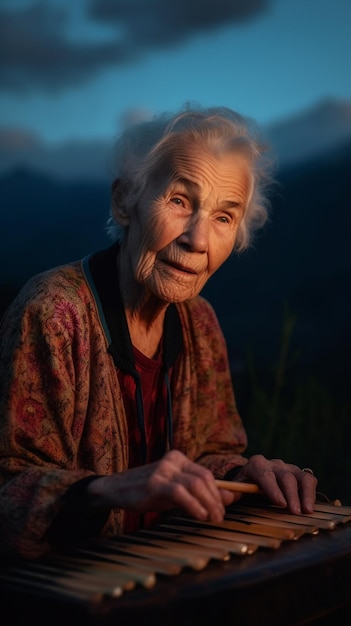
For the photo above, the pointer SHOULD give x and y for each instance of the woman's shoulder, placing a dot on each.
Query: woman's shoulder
(56, 285)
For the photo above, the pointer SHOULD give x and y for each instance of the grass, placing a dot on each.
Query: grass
(294, 415)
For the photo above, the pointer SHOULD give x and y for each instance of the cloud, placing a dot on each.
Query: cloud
(156, 23)
(36, 51)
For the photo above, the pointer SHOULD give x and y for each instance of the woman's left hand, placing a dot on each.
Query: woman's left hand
(284, 484)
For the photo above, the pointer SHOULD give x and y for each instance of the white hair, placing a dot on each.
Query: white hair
(146, 147)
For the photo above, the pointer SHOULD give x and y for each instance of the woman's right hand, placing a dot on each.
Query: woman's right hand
(173, 482)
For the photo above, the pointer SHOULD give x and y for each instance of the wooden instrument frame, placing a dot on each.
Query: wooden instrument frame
(303, 582)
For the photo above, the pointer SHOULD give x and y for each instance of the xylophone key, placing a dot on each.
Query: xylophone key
(275, 513)
(117, 554)
(255, 516)
(233, 544)
(133, 545)
(230, 535)
(177, 540)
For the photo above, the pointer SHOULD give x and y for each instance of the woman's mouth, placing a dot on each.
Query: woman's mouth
(180, 267)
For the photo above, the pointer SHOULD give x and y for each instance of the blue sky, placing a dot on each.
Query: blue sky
(78, 69)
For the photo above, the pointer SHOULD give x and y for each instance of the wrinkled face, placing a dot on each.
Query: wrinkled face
(185, 227)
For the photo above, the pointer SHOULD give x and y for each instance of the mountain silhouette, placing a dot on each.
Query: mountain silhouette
(46, 222)
(311, 132)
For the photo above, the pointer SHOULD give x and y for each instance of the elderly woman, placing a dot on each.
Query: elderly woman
(116, 396)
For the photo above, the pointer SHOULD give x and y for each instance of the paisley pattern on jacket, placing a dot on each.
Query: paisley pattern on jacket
(61, 412)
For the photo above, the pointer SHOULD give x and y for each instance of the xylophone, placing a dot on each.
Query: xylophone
(261, 565)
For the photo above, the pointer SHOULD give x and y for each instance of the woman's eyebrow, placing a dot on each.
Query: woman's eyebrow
(232, 204)
(188, 184)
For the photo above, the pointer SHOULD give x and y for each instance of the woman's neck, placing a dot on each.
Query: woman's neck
(145, 314)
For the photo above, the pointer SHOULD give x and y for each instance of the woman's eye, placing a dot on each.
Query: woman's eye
(177, 201)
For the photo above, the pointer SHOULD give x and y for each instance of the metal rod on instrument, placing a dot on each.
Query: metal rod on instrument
(231, 485)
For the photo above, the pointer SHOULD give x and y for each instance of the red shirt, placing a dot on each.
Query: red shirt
(155, 406)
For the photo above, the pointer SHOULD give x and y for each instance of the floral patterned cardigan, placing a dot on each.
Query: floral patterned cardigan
(62, 417)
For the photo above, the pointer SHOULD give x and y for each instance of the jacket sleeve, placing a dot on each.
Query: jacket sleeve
(43, 361)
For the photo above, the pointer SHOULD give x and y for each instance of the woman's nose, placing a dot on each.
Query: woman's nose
(196, 233)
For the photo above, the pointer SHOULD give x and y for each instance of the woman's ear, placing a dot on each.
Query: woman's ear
(120, 190)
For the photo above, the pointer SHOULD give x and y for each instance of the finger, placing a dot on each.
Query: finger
(188, 486)
(204, 475)
(188, 496)
(298, 488)
(289, 487)
(272, 488)
(307, 488)
(201, 484)
(263, 472)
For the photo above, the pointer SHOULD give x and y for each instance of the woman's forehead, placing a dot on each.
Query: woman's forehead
(192, 160)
